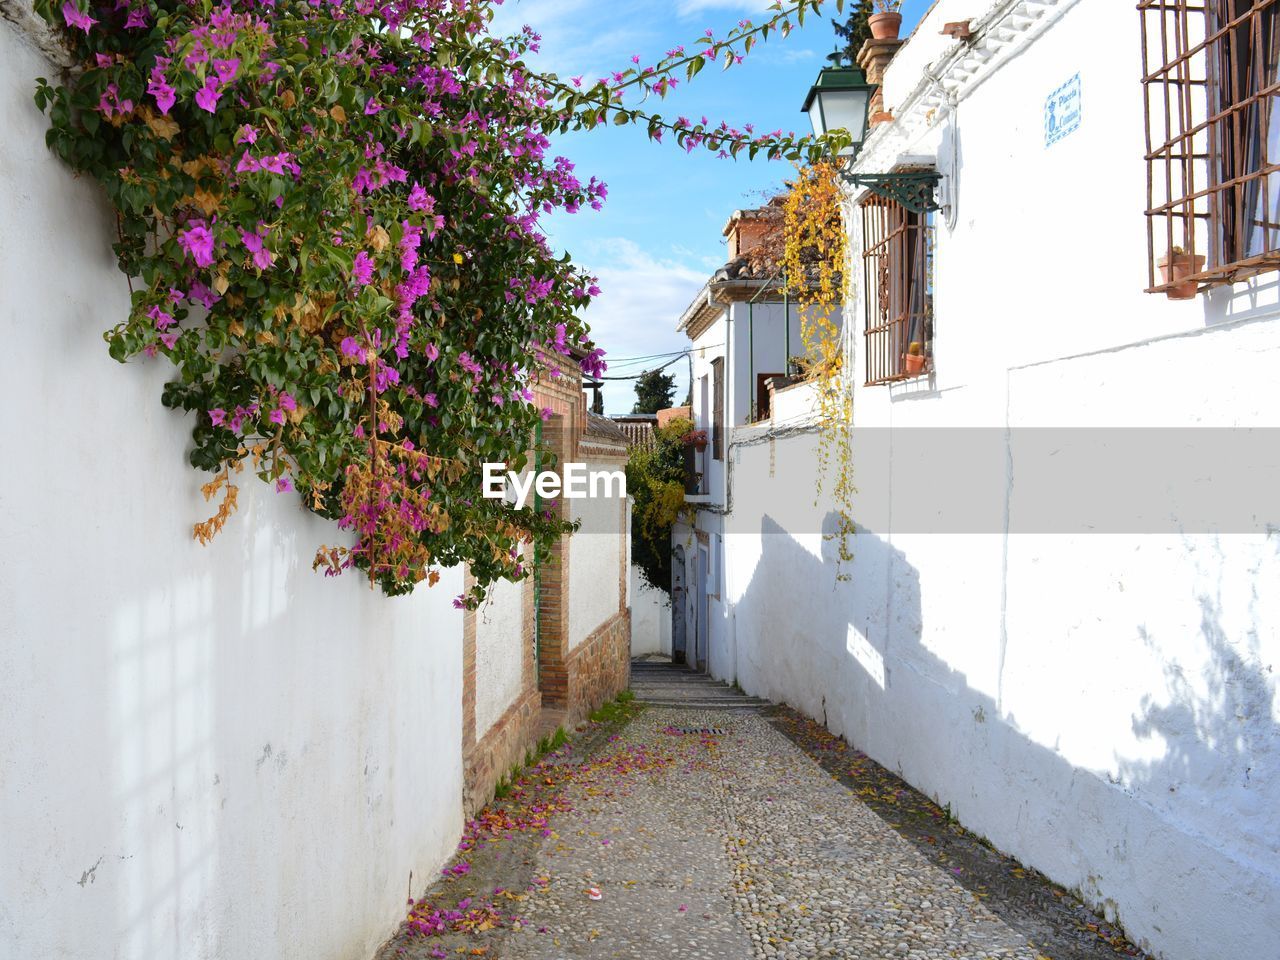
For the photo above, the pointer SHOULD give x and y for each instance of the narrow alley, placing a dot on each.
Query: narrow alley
(697, 822)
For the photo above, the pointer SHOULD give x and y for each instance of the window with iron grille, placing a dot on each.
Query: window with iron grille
(1211, 73)
(898, 267)
(717, 406)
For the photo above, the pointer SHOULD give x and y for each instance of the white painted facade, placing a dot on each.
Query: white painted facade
(650, 617)
(499, 652)
(598, 559)
(207, 752)
(1103, 706)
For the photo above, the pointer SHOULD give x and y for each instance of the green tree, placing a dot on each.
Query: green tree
(854, 32)
(654, 390)
(655, 481)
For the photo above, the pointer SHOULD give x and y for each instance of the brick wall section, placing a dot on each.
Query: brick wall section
(599, 668)
(578, 681)
(505, 743)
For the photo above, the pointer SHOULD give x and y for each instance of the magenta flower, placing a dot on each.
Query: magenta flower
(287, 402)
(284, 485)
(433, 352)
(137, 18)
(254, 243)
(207, 96)
(218, 416)
(350, 348)
(163, 319)
(276, 416)
(226, 70)
(362, 269)
(74, 18)
(197, 241)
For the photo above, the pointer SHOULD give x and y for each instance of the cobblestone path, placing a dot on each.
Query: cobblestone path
(709, 832)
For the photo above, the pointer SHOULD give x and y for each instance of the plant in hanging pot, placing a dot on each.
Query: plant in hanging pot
(886, 22)
(914, 359)
(1175, 266)
(696, 439)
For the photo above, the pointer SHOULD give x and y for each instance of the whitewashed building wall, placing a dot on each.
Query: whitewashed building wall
(206, 752)
(1101, 705)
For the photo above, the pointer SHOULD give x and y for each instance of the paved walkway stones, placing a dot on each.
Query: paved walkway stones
(737, 844)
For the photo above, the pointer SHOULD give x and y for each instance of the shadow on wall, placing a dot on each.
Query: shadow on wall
(857, 665)
(195, 719)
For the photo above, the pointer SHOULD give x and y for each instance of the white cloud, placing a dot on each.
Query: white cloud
(642, 298)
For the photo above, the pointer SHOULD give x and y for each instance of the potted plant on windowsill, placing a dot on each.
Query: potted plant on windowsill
(696, 439)
(914, 359)
(1175, 266)
(886, 22)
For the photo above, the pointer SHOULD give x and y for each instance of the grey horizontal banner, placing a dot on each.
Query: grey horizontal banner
(1023, 480)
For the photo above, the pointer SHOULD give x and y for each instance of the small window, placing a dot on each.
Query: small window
(898, 266)
(1211, 73)
(762, 394)
(717, 407)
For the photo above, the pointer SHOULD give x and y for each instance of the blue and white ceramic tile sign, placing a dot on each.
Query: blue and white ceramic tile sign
(1062, 112)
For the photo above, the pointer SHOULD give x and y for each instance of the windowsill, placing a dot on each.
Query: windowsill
(701, 499)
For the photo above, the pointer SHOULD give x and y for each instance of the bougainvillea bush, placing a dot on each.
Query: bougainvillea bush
(329, 212)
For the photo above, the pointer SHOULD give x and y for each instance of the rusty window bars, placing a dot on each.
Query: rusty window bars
(898, 270)
(1211, 76)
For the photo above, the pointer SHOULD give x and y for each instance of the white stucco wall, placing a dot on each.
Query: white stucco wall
(1101, 705)
(650, 617)
(206, 752)
(499, 653)
(597, 555)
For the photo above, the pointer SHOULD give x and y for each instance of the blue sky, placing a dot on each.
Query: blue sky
(659, 235)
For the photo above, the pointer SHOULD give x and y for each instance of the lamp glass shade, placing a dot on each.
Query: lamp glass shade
(839, 100)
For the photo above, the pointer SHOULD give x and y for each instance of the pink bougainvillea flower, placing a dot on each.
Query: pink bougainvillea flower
(362, 269)
(287, 402)
(372, 107)
(163, 319)
(430, 400)
(433, 352)
(75, 18)
(276, 416)
(546, 413)
(226, 70)
(170, 340)
(255, 244)
(207, 96)
(218, 416)
(246, 134)
(197, 241)
(159, 88)
(284, 485)
(203, 295)
(419, 199)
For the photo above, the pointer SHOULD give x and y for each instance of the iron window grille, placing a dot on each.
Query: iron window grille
(717, 407)
(898, 269)
(1211, 75)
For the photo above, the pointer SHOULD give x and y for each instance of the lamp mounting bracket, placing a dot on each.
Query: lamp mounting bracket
(916, 190)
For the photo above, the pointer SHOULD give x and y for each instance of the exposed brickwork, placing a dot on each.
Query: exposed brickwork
(599, 668)
(502, 748)
(557, 685)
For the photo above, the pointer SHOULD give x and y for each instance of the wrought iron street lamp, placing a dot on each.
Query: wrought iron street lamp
(840, 99)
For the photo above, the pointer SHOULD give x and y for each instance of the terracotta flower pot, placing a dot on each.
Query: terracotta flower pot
(914, 363)
(1174, 268)
(699, 445)
(885, 26)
